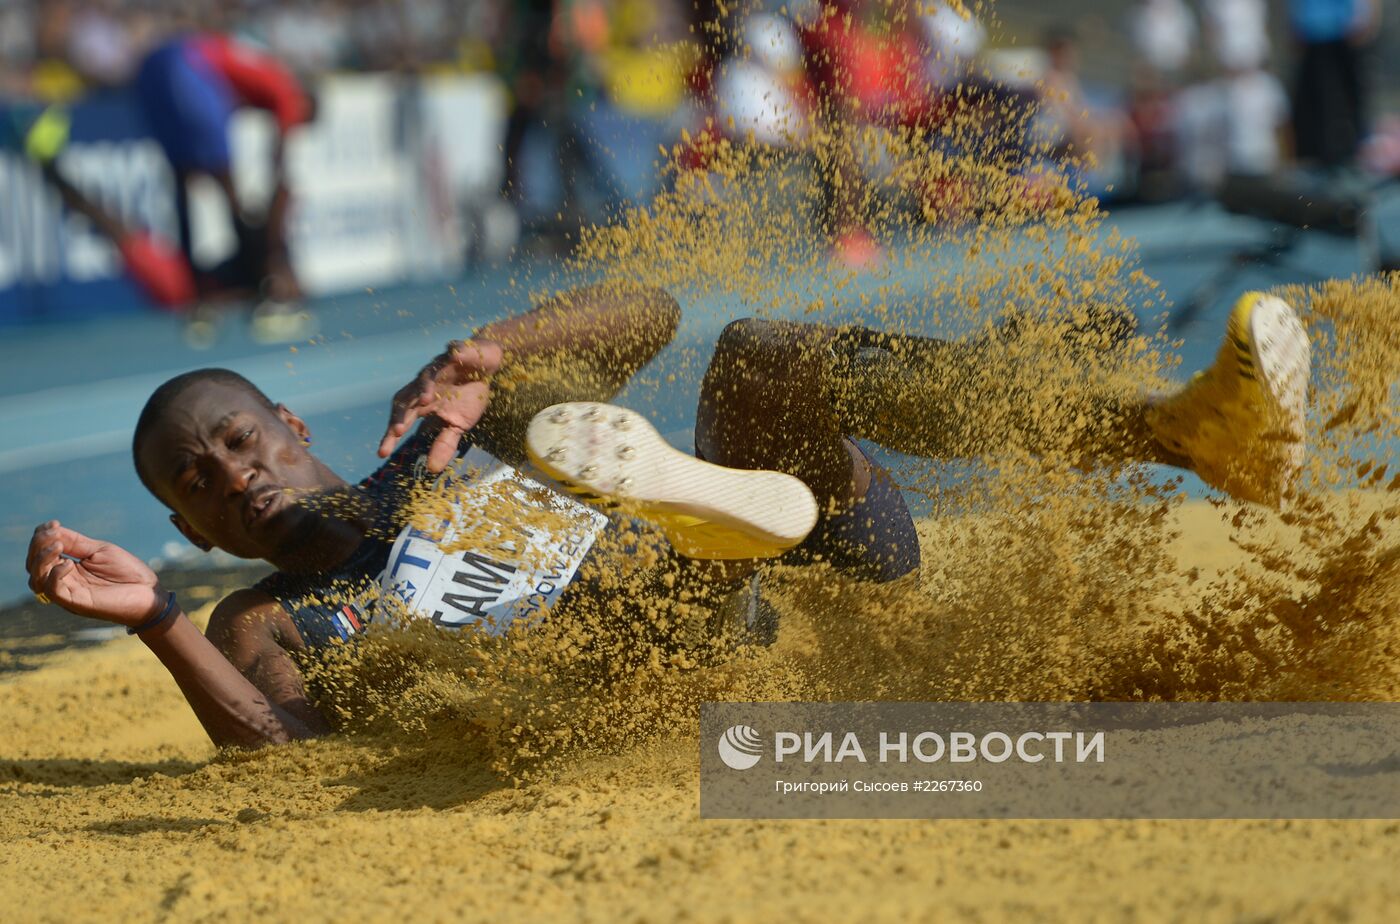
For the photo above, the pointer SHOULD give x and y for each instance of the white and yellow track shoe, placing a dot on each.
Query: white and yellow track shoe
(706, 511)
(1241, 421)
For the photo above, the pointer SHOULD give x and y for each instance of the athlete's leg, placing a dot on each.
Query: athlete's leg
(605, 335)
(74, 200)
(940, 399)
(812, 385)
(766, 403)
(780, 398)
(283, 282)
(184, 221)
(156, 266)
(782, 395)
(785, 395)
(1239, 424)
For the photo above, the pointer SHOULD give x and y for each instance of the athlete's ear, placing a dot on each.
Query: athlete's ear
(297, 425)
(190, 533)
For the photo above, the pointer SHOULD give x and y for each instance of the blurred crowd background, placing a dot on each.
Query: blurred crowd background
(448, 131)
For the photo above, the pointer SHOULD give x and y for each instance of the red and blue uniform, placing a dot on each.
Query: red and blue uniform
(190, 87)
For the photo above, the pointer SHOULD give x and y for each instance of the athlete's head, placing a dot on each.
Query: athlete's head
(229, 463)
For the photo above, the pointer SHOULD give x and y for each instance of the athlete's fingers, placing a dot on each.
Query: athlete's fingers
(444, 448)
(43, 535)
(75, 543)
(405, 399)
(464, 362)
(68, 542)
(44, 562)
(407, 407)
(52, 585)
(34, 572)
(394, 434)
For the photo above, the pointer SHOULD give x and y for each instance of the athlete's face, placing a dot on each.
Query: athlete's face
(233, 469)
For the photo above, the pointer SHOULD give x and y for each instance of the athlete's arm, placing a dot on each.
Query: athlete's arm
(256, 635)
(613, 326)
(259, 79)
(103, 581)
(613, 329)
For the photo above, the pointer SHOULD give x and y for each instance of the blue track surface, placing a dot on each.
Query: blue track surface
(70, 396)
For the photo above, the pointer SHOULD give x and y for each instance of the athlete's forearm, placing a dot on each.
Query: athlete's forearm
(233, 711)
(624, 324)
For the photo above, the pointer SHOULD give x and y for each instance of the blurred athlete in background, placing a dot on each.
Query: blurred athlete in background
(188, 87)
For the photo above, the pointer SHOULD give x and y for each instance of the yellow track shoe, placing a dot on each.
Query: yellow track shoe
(1241, 421)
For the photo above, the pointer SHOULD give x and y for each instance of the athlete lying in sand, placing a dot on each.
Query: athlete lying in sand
(778, 406)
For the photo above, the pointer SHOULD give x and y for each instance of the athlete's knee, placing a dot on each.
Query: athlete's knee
(746, 335)
(661, 306)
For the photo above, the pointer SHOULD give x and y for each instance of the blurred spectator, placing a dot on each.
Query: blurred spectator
(1330, 89)
(1164, 34)
(1101, 134)
(100, 43)
(1256, 110)
(954, 41)
(1237, 33)
(1235, 123)
(763, 94)
(597, 86)
(188, 87)
(17, 48)
(864, 67)
(52, 77)
(1232, 125)
(530, 67)
(1166, 39)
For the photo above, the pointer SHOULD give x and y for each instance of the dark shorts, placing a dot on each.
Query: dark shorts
(187, 107)
(875, 540)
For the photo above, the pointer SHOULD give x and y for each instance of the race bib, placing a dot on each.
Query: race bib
(498, 547)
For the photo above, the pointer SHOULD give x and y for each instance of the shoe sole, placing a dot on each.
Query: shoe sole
(705, 510)
(1279, 353)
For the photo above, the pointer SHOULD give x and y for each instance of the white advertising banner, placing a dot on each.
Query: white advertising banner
(354, 187)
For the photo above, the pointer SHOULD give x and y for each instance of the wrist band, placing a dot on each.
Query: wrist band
(155, 620)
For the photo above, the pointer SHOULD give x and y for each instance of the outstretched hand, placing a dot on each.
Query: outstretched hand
(455, 388)
(91, 578)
